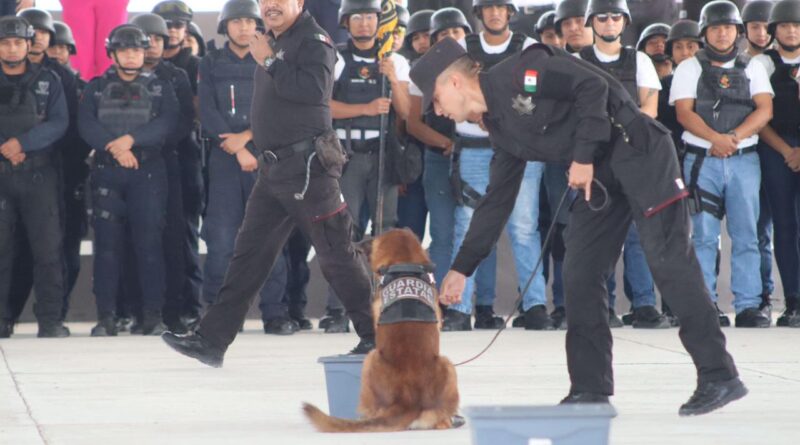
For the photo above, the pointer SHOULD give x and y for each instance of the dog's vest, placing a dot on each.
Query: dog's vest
(407, 294)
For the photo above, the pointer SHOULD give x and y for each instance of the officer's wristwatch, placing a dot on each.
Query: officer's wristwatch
(269, 61)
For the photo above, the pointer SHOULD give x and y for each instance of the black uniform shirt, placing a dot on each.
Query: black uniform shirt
(183, 92)
(188, 62)
(291, 98)
(543, 105)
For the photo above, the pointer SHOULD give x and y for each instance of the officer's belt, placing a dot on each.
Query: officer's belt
(30, 163)
(287, 151)
(364, 145)
(703, 200)
(407, 294)
(474, 142)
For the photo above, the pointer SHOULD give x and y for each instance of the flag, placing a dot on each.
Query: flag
(386, 27)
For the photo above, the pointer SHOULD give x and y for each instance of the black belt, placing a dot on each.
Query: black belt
(471, 142)
(700, 151)
(28, 164)
(287, 151)
(364, 145)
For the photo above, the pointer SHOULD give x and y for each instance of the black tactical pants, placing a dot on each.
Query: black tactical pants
(29, 198)
(272, 214)
(594, 240)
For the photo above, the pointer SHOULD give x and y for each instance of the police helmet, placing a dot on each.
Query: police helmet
(195, 31)
(402, 16)
(568, 9)
(420, 21)
(151, 24)
(17, 27)
(477, 5)
(39, 19)
(656, 29)
(174, 10)
(237, 9)
(446, 18)
(720, 12)
(545, 22)
(683, 29)
(784, 11)
(350, 7)
(64, 37)
(126, 36)
(756, 11)
(607, 7)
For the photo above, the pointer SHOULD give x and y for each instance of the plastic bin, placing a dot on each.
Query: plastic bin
(570, 424)
(343, 382)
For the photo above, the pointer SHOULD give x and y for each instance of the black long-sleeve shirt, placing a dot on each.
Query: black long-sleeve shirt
(291, 98)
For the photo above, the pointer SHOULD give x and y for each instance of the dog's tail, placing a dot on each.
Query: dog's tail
(390, 421)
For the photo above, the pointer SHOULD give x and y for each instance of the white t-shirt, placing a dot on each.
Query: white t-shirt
(401, 68)
(769, 65)
(467, 128)
(646, 75)
(684, 86)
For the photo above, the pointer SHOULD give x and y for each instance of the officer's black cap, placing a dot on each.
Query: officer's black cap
(434, 62)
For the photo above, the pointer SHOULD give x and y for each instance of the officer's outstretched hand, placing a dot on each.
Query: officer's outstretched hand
(247, 161)
(452, 287)
(127, 160)
(580, 177)
(378, 106)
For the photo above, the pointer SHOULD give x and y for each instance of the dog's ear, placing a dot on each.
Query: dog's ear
(365, 246)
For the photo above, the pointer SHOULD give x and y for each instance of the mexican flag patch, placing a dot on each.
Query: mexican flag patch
(531, 78)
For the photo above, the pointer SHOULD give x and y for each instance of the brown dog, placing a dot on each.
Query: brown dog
(405, 383)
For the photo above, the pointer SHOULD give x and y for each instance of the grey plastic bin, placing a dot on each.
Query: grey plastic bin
(343, 382)
(574, 424)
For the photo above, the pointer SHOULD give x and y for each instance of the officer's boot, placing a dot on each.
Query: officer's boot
(613, 319)
(175, 324)
(337, 322)
(724, 321)
(297, 314)
(519, 320)
(647, 317)
(53, 330)
(667, 311)
(6, 328)
(454, 320)
(790, 317)
(485, 318)
(124, 324)
(106, 326)
(152, 324)
(559, 317)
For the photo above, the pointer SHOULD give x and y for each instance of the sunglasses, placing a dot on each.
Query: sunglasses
(602, 18)
(176, 24)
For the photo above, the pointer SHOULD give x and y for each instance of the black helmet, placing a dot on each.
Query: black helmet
(656, 29)
(175, 10)
(446, 18)
(64, 36)
(756, 11)
(785, 11)
(39, 19)
(238, 9)
(151, 24)
(607, 7)
(195, 31)
(478, 4)
(720, 12)
(420, 21)
(546, 21)
(11, 26)
(683, 29)
(126, 36)
(402, 16)
(356, 6)
(568, 9)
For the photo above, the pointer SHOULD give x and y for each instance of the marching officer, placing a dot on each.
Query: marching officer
(127, 116)
(33, 118)
(291, 124)
(546, 105)
(755, 15)
(723, 100)
(779, 152)
(226, 94)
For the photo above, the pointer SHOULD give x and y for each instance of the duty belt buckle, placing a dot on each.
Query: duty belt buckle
(270, 157)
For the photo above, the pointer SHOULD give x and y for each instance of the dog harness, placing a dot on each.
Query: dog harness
(407, 294)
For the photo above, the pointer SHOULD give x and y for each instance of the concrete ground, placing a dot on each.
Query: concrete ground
(135, 390)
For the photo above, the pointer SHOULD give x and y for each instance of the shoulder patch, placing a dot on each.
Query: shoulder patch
(323, 38)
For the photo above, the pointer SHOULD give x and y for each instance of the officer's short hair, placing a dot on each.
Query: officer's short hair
(464, 65)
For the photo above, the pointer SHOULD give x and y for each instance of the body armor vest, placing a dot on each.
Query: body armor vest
(125, 106)
(487, 60)
(20, 108)
(786, 102)
(233, 83)
(359, 83)
(623, 69)
(723, 94)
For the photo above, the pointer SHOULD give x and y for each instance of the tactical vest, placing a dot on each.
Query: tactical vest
(723, 94)
(21, 107)
(623, 69)
(407, 294)
(233, 84)
(124, 106)
(359, 83)
(487, 60)
(786, 102)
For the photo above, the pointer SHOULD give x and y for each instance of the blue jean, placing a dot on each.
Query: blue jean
(522, 226)
(783, 192)
(736, 180)
(228, 190)
(764, 227)
(412, 211)
(638, 281)
(442, 207)
(554, 180)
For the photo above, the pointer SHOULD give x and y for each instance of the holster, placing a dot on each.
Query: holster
(330, 153)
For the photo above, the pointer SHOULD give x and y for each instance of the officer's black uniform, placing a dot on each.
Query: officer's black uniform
(579, 113)
(290, 109)
(33, 111)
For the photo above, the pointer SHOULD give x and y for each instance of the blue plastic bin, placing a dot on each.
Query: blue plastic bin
(343, 382)
(573, 424)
